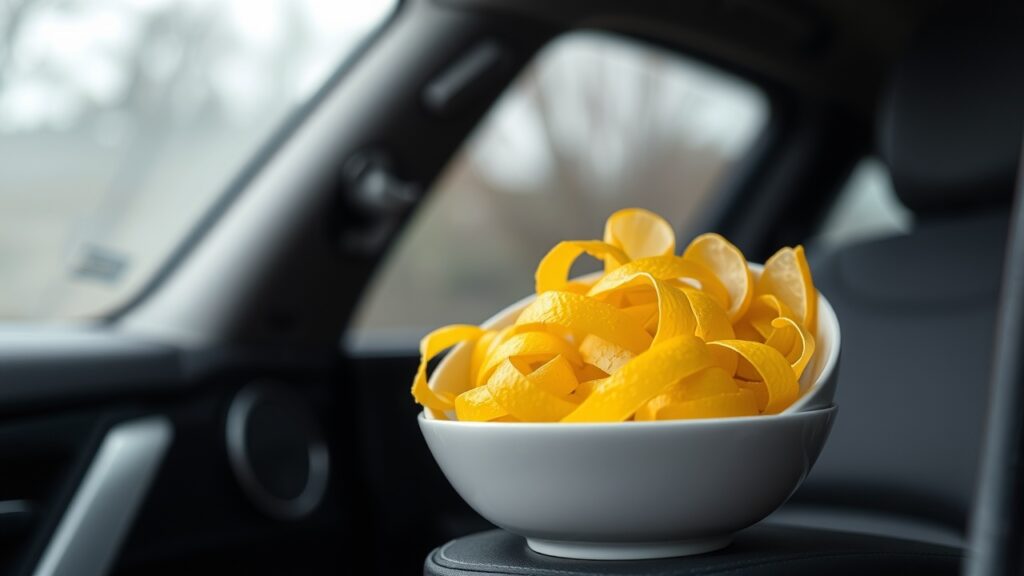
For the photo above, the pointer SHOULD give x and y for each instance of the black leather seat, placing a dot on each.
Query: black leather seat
(918, 311)
(891, 491)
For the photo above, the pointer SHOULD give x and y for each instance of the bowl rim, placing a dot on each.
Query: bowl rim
(648, 425)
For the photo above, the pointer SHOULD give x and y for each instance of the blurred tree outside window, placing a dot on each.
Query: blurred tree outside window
(122, 122)
(866, 208)
(594, 124)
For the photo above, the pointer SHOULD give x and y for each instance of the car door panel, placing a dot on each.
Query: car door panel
(114, 457)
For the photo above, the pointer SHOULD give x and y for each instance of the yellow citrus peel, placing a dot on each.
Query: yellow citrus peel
(728, 263)
(654, 337)
(639, 234)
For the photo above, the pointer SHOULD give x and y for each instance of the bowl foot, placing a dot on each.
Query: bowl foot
(625, 550)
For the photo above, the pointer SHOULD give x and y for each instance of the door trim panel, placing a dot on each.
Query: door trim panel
(103, 507)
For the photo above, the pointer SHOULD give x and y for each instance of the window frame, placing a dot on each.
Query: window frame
(716, 212)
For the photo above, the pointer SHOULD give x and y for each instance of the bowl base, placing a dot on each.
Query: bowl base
(626, 550)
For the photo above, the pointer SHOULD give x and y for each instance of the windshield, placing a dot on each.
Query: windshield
(122, 121)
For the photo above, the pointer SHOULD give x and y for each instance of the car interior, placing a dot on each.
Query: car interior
(218, 421)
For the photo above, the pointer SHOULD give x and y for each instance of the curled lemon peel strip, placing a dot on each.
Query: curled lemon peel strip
(553, 271)
(433, 344)
(622, 393)
(525, 396)
(557, 375)
(712, 324)
(477, 405)
(531, 345)
(771, 368)
(655, 337)
(579, 314)
(787, 276)
(481, 348)
(532, 397)
(802, 351)
(667, 268)
(604, 355)
(645, 315)
(710, 382)
(638, 233)
(730, 266)
(778, 326)
(728, 405)
(675, 315)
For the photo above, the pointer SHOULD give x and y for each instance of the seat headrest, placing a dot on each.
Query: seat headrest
(952, 120)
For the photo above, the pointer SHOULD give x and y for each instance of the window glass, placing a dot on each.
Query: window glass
(867, 207)
(121, 121)
(594, 124)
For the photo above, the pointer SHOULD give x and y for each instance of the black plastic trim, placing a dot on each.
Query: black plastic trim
(998, 519)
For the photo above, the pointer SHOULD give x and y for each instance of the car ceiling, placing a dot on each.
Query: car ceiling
(836, 50)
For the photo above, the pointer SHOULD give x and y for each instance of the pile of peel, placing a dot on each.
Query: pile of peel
(656, 336)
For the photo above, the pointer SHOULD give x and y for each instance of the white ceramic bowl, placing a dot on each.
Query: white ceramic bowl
(631, 490)
(628, 490)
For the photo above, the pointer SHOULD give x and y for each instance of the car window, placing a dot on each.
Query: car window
(866, 208)
(122, 121)
(594, 124)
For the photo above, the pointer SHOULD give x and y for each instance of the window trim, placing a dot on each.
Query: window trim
(714, 213)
